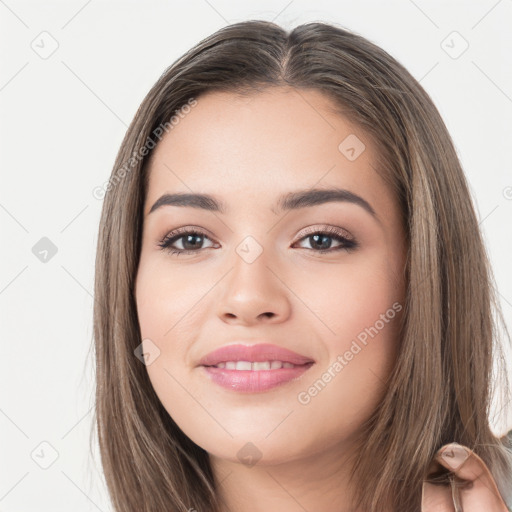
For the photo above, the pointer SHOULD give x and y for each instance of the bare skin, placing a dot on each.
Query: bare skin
(247, 152)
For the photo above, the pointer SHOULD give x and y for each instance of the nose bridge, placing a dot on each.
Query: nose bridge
(252, 266)
(252, 288)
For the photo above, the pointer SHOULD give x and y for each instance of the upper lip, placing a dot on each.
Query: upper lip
(253, 353)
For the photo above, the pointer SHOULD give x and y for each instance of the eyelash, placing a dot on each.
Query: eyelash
(349, 244)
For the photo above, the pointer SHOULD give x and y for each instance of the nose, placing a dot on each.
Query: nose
(253, 293)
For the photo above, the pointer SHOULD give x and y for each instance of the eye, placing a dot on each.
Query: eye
(320, 239)
(192, 240)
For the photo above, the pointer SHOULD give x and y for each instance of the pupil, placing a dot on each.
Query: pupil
(187, 240)
(323, 238)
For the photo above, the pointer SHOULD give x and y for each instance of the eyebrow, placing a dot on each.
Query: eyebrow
(290, 201)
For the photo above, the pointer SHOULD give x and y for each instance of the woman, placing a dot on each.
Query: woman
(293, 300)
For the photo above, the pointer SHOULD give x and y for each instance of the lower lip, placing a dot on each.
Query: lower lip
(254, 381)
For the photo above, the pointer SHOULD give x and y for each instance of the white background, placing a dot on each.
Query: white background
(62, 120)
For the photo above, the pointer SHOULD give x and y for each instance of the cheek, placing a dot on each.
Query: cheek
(363, 314)
(168, 300)
(360, 301)
(170, 309)
(358, 316)
(163, 307)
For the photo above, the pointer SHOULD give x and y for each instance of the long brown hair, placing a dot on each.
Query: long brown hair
(440, 388)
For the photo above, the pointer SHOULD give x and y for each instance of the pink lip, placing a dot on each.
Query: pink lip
(253, 353)
(254, 381)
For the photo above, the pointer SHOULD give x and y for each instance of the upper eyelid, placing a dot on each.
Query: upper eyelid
(309, 230)
(332, 230)
(182, 231)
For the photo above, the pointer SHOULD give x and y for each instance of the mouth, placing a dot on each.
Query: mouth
(254, 368)
(259, 357)
(257, 366)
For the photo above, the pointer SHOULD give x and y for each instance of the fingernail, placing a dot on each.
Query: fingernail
(454, 455)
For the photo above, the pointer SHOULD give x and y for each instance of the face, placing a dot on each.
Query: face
(322, 276)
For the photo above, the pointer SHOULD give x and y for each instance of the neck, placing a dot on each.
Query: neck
(317, 482)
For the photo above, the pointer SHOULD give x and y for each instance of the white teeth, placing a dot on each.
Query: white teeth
(263, 365)
(243, 365)
(256, 366)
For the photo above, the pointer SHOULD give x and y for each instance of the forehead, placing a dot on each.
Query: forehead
(268, 142)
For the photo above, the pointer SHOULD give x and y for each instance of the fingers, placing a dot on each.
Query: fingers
(472, 487)
(436, 498)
